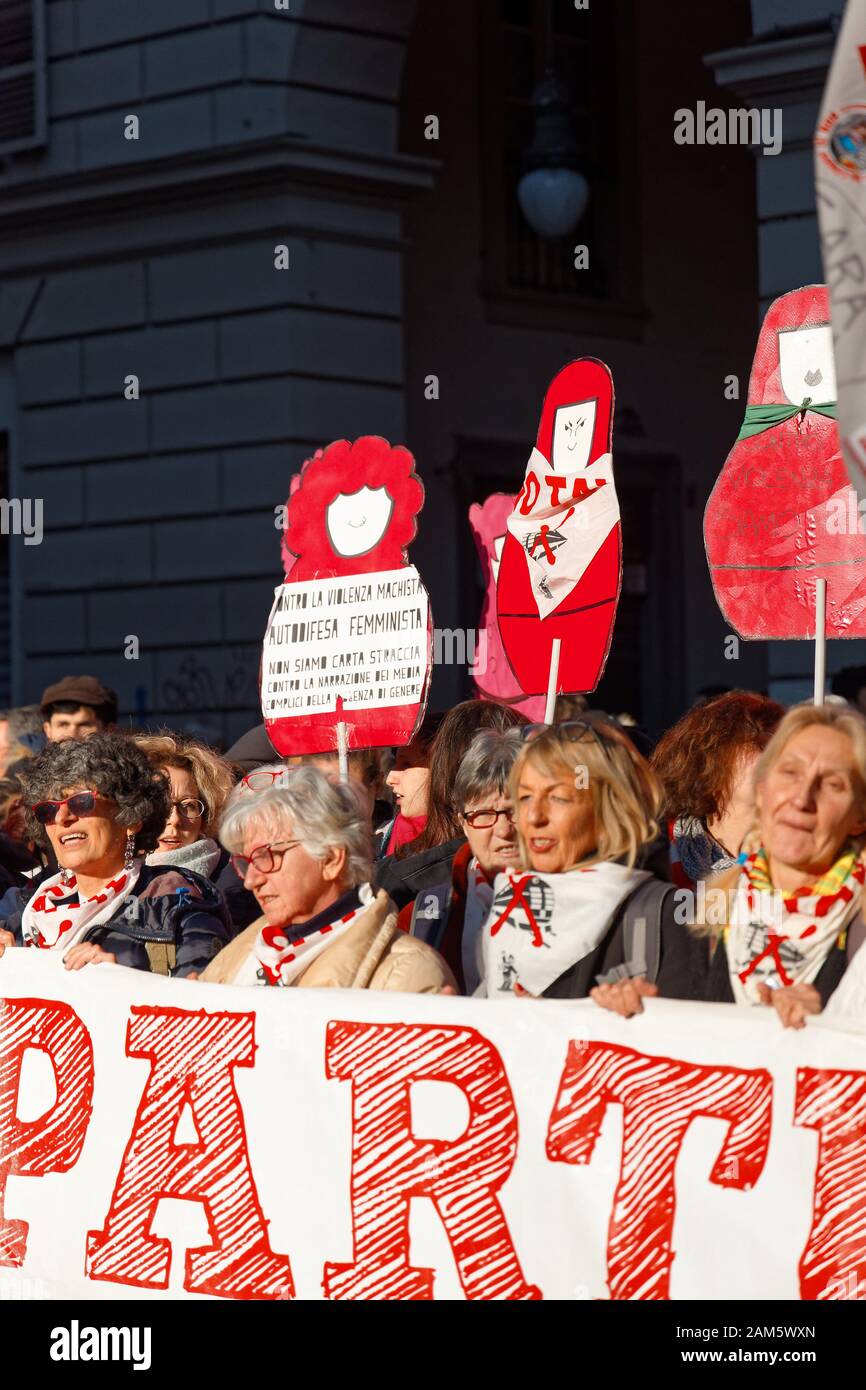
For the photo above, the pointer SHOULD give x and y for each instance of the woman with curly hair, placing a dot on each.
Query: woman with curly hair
(200, 782)
(706, 764)
(102, 807)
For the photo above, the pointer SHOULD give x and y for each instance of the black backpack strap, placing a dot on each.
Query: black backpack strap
(430, 914)
(642, 933)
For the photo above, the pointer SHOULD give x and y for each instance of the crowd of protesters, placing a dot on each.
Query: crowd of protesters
(489, 856)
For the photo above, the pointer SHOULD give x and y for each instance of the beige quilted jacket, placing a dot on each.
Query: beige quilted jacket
(373, 954)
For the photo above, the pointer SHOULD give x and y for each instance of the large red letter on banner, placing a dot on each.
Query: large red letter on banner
(833, 1264)
(192, 1057)
(53, 1142)
(390, 1166)
(660, 1098)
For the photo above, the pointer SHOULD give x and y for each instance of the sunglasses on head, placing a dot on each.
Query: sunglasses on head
(80, 804)
(573, 730)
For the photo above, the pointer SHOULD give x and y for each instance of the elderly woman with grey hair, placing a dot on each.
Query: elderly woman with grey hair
(302, 846)
(450, 915)
(101, 807)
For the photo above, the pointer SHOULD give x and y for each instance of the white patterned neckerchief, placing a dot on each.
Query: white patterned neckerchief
(541, 924)
(54, 916)
(276, 959)
(774, 942)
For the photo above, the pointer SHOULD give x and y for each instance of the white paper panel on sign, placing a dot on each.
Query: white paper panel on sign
(363, 638)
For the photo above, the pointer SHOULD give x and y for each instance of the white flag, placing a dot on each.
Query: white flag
(840, 187)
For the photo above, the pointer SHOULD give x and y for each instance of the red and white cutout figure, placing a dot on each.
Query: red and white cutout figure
(782, 513)
(561, 567)
(357, 653)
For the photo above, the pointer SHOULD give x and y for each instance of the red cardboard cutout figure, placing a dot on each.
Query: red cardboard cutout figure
(494, 678)
(351, 512)
(782, 513)
(562, 562)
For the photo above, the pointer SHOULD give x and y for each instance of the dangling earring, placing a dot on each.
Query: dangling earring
(129, 852)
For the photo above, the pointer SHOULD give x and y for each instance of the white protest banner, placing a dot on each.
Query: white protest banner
(840, 190)
(362, 640)
(165, 1138)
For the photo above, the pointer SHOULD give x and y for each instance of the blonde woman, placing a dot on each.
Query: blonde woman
(200, 782)
(584, 906)
(782, 926)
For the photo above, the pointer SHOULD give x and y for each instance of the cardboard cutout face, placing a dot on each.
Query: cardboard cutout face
(782, 513)
(353, 509)
(352, 652)
(357, 521)
(806, 366)
(561, 563)
(573, 430)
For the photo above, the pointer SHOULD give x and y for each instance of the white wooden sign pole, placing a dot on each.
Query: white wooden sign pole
(552, 681)
(820, 639)
(343, 750)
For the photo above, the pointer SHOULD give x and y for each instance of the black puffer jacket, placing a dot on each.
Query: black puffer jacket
(174, 924)
(404, 879)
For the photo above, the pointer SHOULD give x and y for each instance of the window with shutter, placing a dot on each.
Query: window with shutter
(22, 75)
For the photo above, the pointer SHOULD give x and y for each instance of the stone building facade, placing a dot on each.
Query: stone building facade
(160, 153)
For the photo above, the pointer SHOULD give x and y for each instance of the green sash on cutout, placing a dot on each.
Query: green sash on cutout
(762, 417)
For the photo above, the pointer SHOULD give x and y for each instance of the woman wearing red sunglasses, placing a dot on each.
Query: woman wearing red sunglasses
(101, 807)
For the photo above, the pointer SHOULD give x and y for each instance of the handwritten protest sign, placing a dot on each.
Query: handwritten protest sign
(363, 641)
(561, 569)
(349, 639)
(167, 1139)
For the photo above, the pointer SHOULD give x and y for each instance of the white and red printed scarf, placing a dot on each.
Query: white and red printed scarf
(782, 938)
(540, 925)
(277, 958)
(561, 533)
(56, 917)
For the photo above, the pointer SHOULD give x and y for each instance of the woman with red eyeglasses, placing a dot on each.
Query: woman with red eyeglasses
(303, 846)
(102, 807)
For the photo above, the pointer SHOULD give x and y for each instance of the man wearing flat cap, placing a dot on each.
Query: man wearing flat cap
(77, 707)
